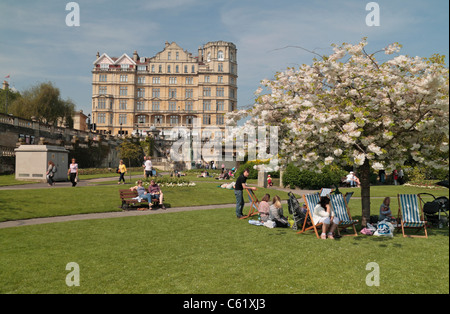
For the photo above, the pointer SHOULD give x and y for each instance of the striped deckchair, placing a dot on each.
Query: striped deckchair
(311, 200)
(325, 192)
(254, 206)
(340, 208)
(410, 214)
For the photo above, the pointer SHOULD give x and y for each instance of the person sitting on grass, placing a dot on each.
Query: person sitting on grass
(323, 213)
(385, 210)
(264, 208)
(276, 213)
(156, 193)
(142, 193)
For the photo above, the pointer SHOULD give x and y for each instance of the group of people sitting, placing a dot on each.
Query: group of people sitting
(323, 213)
(153, 192)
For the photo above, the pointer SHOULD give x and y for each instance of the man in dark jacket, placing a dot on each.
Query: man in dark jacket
(239, 190)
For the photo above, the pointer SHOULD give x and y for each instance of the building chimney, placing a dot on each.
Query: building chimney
(135, 56)
(200, 54)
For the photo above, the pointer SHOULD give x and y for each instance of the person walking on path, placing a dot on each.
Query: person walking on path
(51, 170)
(122, 171)
(73, 172)
(148, 167)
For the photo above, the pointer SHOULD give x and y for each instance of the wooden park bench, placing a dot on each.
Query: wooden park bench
(129, 200)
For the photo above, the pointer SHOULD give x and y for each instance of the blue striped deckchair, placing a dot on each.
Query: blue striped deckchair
(311, 200)
(325, 192)
(410, 214)
(340, 208)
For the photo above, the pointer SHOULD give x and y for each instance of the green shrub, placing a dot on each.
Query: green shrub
(253, 173)
(307, 179)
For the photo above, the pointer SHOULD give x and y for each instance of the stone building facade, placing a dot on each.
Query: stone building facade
(171, 89)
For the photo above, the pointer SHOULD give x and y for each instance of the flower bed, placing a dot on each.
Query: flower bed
(168, 182)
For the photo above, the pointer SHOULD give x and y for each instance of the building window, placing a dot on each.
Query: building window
(206, 119)
(123, 91)
(172, 106)
(220, 92)
(155, 106)
(193, 69)
(220, 67)
(189, 93)
(220, 105)
(141, 92)
(220, 79)
(101, 118)
(156, 80)
(189, 80)
(177, 69)
(189, 106)
(219, 119)
(122, 119)
(123, 104)
(190, 120)
(142, 68)
(208, 58)
(102, 90)
(207, 78)
(141, 119)
(158, 120)
(173, 120)
(124, 66)
(153, 68)
(104, 66)
(177, 56)
(169, 55)
(168, 69)
(160, 69)
(185, 69)
(220, 55)
(155, 92)
(207, 91)
(102, 78)
(102, 103)
(172, 80)
(141, 80)
(172, 93)
(207, 105)
(140, 106)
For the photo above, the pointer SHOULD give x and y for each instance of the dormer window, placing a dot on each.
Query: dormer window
(220, 56)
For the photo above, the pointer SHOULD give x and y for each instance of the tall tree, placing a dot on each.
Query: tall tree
(349, 108)
(43, 101)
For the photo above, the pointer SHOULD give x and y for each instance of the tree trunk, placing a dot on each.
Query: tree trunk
(365, 192)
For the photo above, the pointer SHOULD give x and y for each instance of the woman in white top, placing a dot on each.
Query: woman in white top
(73, 172)
(323, 213)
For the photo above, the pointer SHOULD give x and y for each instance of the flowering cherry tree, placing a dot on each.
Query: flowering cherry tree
(349, 108)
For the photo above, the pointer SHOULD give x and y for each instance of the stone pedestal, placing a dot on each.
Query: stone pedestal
(32, 162)
(262, 179)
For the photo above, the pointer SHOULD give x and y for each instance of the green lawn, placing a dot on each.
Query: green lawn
(208, 251)
(48, 202)
(213, 252)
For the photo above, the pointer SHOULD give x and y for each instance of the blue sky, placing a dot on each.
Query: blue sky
(36, 45)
